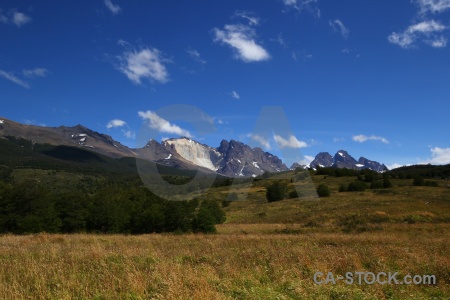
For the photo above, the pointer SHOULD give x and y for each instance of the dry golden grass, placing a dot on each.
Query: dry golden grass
(241, 262)
(263, 251)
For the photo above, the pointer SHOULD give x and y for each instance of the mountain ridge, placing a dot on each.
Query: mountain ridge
(231, 158)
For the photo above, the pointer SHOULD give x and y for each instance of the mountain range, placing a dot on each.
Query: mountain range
(232, 158)
(344, 160)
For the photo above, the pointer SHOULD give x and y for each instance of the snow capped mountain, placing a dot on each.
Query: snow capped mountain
(231, 158)
(238, 159)
(323, 159)
(344, 160)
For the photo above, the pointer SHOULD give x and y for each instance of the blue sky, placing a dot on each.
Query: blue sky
(370, 77)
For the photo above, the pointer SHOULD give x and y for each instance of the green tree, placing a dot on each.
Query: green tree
(276, 191)
(208, 216)
(72, 210)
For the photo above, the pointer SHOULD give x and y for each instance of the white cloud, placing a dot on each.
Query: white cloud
(38, 72)
(235, 95)
(307, 159)
(14, 79)
(194, 54)
(338, 26)
(302, 5)
(292, 142)
(115, 123)
(434, 6)
(440, 42)
(439, 156)
(129, 134)
(395, 166)
(114, 8)
(20, 19)
(252, 19)
(425, 29)
(363, 138)
(146, 63)
(338, 140)
(241, 39)
(162, 125)
(261, 140)
(15, 17)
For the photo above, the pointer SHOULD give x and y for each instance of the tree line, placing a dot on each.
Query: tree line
(30, 207)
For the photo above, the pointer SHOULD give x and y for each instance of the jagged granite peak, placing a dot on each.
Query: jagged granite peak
(365, 163)
(240, 159)
(344, 160)
(323, 159)
(224, 144)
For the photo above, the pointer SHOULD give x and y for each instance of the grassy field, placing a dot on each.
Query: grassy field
(263, 251)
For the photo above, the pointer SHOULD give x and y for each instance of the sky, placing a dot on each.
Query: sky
(369, 77)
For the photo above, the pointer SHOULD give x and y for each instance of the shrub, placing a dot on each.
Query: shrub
(377, 185)
(293, 194)
(342, 188)
(357, 186)
(387, 183)
(323, 190)
(276, 191)
(418, 181)
(430, 183)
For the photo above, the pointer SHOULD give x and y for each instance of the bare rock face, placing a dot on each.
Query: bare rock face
(370, 164)
(232, 158)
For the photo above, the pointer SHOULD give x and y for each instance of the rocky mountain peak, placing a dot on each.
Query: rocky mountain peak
(323, 159)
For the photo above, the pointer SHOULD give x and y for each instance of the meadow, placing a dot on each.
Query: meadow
(263, 250)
